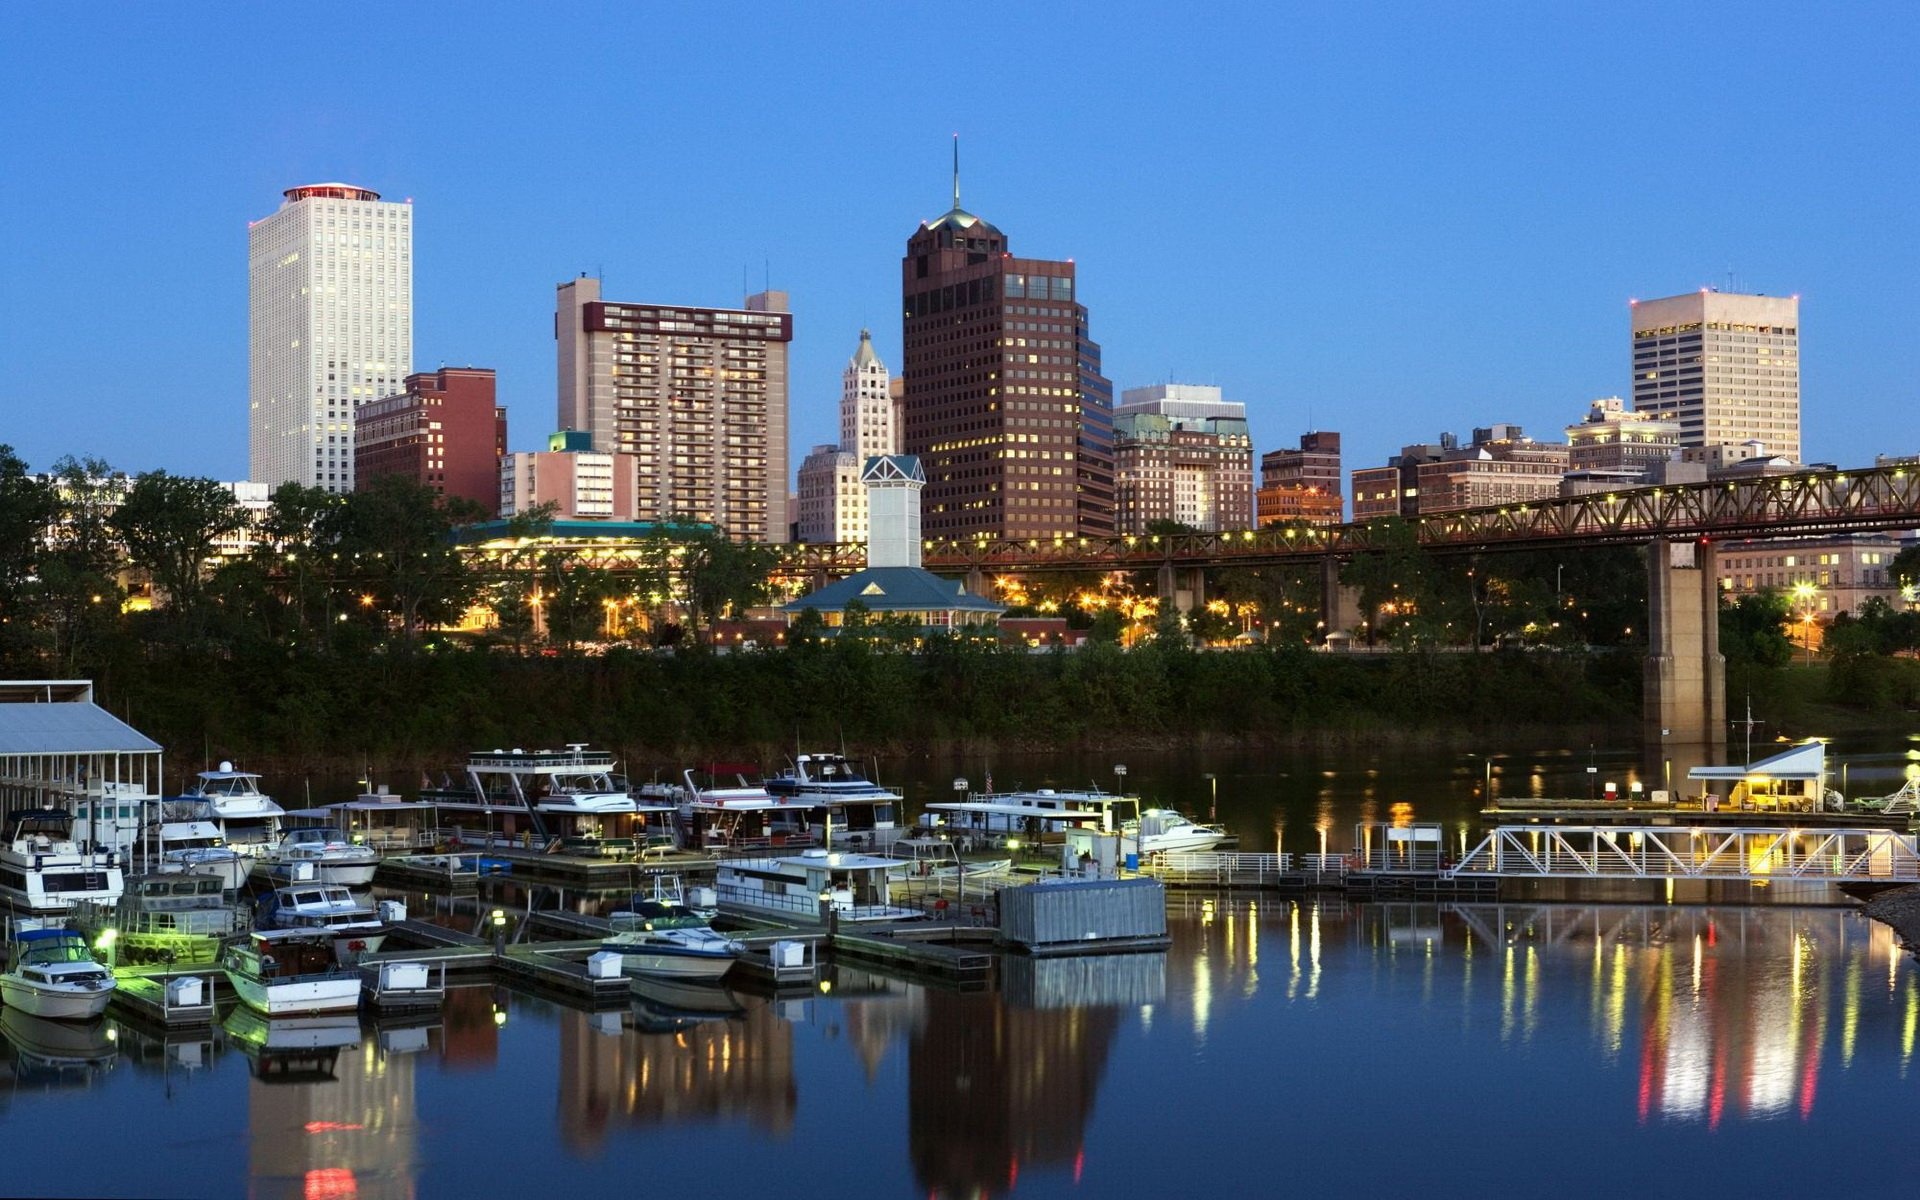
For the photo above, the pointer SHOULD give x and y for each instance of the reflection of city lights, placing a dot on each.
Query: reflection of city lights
(330, 1183)
(332, 1126)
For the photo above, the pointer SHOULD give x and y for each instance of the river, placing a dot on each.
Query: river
(1391, 1049)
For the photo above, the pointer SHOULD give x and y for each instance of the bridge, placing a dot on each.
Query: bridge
(1678, 852)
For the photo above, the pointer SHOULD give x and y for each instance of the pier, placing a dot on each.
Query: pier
(1659, 852)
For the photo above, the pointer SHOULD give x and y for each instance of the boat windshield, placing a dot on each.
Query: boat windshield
(316, 835)
(232, 785)
(56, 950)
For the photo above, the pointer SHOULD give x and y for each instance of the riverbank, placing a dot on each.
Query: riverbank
(1899, 910)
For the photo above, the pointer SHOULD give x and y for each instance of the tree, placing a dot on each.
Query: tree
(398, 541)
(1753, 630)
(1905, 567)
(298, 544)
(79, 594)
(170, 525)
(26, 509)
(718, 575)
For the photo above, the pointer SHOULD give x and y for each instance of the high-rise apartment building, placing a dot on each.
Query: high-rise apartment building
(581, 483)
(443, 430)
(1724, 367)
(698, 397)
(330, 328)
(1182, 454)
(1005, 403)
(1302, 485)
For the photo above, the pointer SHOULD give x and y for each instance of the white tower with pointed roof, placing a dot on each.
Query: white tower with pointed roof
(866, 411)
(893, 483)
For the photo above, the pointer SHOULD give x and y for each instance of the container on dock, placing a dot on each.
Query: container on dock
(392, 911)
(604, 965)
(788, 954)
(186, 991)
(1084, 916)
(403, 977)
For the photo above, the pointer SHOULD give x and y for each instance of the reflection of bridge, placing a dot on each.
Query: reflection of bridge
(1677, 852)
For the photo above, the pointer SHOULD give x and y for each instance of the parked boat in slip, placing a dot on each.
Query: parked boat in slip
(658, 938)
(166, 918)
(328, 908)
(327, 853)
(292, 972)
(51, 974)
(931, 857)
(44, 869)
(796, 887)
(248, 819)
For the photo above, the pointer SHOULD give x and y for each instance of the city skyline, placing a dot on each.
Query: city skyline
(1461, 215)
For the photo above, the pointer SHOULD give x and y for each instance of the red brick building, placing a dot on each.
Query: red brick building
(1303, 484)
(444, 431)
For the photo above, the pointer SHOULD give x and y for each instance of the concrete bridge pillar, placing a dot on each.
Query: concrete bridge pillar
(977, 581)
(1339, 603)
(1685, 704)
(1164, 583)
(1185, 588)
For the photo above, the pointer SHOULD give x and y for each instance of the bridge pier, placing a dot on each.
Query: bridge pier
(1339, 603)
(976, 581)
(1185, 588)
(1684, 707)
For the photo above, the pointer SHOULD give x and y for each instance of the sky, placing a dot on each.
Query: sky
(1388, 220)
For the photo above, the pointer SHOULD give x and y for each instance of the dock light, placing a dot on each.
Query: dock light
(107, 938)
(1013, 844)
(499, 917)
(499, 1017)
(826, 986)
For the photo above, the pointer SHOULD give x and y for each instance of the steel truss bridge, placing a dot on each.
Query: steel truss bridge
(1678, 852)
(1799, 505)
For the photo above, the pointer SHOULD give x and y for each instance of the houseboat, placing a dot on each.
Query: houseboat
(378, 820)
(1046, 815)
(166, 918)
(533, 797)
(745, 815)
(857, 813)
(796, 888)
(44, 869)
(248, 819)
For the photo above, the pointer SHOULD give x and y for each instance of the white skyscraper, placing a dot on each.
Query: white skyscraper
(833, 502)
(331, 328)
(866, 410)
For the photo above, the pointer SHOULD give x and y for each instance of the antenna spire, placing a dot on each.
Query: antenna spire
(956, 171)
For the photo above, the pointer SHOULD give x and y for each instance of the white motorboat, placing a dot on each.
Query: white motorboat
(248, 818)
(796, 887)
(292, 972)
(1164, 831)
(188, 840)
(328, 908)
(50, 974)
(656, 938)
(859, 813)
(44, 869)
(929, 857)
(332, 857)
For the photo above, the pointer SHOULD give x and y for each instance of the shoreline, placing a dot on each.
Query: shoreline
(1899, 910)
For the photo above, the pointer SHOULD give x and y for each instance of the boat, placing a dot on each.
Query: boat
(323, 848)
(855, 887)
(43, 869)
(327, 908)
(858, 813)
(663, 939)
(380, 820)
(187, 839)
(51, 974)
(743, 814)
(568, 799)
(116, 816)
(165, 918)
(292, 972)
(1164, 831)
(248, 818)
(930, 857)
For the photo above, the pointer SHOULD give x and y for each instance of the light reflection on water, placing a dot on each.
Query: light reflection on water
(1772, 1044)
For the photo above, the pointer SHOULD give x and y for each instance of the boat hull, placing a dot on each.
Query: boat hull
(670, 965)
(353, 874)
(1183, 843)
(296, 997)
(56, 1004)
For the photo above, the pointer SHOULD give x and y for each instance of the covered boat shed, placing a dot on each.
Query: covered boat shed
(1791, 781)
(57, 747)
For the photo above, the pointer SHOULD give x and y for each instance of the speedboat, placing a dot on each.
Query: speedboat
(292, 972)
(165, 918)
(656, 938)
(333, 857)
(327, 908)
(50, 974)
(43, 868)
(1164, 831)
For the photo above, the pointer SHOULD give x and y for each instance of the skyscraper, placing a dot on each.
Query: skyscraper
(832, 500)
(1005, 403)
(1725, 367)
(697, 395)
(330, 325)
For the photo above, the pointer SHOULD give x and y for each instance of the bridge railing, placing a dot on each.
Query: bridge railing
(1669, 852)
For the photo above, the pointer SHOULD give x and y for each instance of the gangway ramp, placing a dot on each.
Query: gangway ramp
(1753, 853)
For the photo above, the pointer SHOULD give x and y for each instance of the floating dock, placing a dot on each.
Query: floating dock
(167, 998)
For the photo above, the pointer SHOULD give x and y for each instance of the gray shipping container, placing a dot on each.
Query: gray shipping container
(1083, 913)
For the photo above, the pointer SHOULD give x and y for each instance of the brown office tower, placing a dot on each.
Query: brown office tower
(1005, 403)
(698, 396)
(1302, 485)
(444, 431)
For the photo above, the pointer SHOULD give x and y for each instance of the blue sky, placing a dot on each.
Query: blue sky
(1384, 219)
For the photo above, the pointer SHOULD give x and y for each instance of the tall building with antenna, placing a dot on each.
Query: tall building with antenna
(1005, 403)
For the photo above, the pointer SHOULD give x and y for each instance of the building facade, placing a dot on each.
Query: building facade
(1182, 454)
(330, 328)
(1005, 403)
(1501, 465)
(444, 431)
(581, 483)
(1614, 438)
(1302, 485)
(697, 396)
(828, 509)
(1724, 367)
(1822, 577)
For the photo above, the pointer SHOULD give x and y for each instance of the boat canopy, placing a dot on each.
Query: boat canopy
(759, 802)
(1069, 815)
(1807, 762)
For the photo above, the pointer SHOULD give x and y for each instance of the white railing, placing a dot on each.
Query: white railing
(1671, 852)
(1219, 867)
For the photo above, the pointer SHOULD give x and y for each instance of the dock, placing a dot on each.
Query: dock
(161, 999)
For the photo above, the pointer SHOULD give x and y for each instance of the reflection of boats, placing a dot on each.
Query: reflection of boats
(658, 938)
(670, 1005)
(50, 974)
(291, 1049)
(287, 972)
(796, 887)
(44, 869)
(329, 907)
(861, 813)
(58, 1051)
(323, 849)
(940, 858)
(165, 918)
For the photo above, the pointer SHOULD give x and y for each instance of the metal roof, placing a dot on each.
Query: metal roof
(76, 727)
(1802, 762)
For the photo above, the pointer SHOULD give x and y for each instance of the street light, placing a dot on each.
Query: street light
(1804, 593)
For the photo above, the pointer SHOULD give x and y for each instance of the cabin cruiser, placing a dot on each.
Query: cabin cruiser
(938, 858)
(659, 938)
(248, 818)
(520, 795)
(325, 849)
(51, 974)
(330, 908)
(1164, 831)
(165, 918)
(44, 869)
(859, 813)
(797, 887)
(291, 972)
(187, 840)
